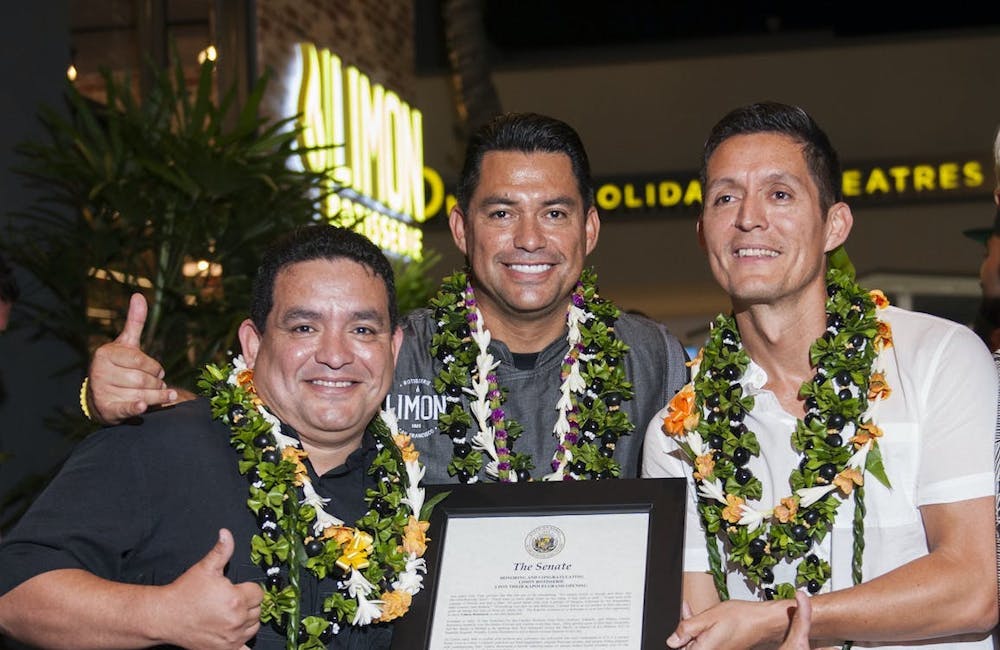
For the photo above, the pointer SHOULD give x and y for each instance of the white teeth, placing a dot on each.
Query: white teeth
(755, 252)
(331, 384)
(530, 268)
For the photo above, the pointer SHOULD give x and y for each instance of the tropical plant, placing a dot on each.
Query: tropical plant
(174, 196)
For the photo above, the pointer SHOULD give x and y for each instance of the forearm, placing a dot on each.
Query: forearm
(952, 590)
(70, 608)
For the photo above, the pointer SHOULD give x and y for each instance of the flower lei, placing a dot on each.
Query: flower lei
(593, 386)
(837, 440)
(381, 554)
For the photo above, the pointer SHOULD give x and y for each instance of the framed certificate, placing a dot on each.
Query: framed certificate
(555, 565)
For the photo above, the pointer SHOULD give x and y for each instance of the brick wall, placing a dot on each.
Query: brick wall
(374, 35)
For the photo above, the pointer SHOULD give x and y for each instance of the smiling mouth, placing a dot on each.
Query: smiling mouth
(755, 252)
(331, 384)
(530, 268)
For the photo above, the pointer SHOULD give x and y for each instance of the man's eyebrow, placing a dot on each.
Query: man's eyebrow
(506, 200)
(298, 314)
(775, 176)
(372, 315)
(304, 313)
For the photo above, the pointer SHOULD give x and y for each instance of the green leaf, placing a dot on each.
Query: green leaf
(874, 466)
(838, 259)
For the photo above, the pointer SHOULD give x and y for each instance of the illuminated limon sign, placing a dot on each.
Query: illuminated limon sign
(371, 144)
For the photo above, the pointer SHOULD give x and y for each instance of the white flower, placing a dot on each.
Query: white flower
(751, 518)
(410, 580)
(562, 424)
(697, 445)
(239, 365)
(712, 490)
(312, 497)
(358, 585)
(857, 461)
(389, 417)
(556, 475)
(323, 519)
(482, 442)
(480, 335)
(414, 493)
(368, 611)
(809, 496)
(480, 411)
(280, 439)
(574, 381)
(479, 390)
(573, 319)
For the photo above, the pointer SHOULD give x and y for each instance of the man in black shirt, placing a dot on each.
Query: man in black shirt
(144, 537)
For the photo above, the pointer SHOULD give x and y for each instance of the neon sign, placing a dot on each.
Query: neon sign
(370, 142)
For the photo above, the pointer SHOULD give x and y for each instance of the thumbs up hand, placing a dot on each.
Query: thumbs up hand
(124, 381)
(203, 609)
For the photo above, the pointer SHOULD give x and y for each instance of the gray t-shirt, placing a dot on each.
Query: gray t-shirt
(654, 365)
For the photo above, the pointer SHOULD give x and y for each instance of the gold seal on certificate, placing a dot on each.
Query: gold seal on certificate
(545, 541)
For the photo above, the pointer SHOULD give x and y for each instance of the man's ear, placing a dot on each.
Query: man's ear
(593, 228)
(249, 341)
(456, 221)
(839, 221)
(701, 235)
(397, 343)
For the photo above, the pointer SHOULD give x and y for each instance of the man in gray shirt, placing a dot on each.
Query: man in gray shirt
(518, 370)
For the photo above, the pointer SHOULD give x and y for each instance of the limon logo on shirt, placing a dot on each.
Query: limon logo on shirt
(416, 405)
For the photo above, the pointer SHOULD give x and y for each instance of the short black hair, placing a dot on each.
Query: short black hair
(9, 292)
(318, 242)
(794, 122)
(527, 133)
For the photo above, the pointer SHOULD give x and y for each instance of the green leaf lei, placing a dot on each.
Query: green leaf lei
(594, 416)
(707, 423)
(297, 534)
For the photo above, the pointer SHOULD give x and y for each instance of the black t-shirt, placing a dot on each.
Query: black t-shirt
(142, 503)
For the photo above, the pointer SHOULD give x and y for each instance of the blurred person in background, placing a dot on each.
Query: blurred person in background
(987, 324)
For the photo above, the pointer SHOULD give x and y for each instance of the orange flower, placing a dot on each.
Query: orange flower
(704, 466)
(784, 512)
(733, 512)
(681, 417)
(394, 604)
(881, 302)
(341, 534)
(866, 432)
(847, 479)
(415, 536)
(883, 337)
(406, 447)
(245, 379)
(877, 386)
(295, 457)
(874, 430)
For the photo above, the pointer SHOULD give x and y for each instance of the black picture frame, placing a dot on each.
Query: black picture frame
(663, 499)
